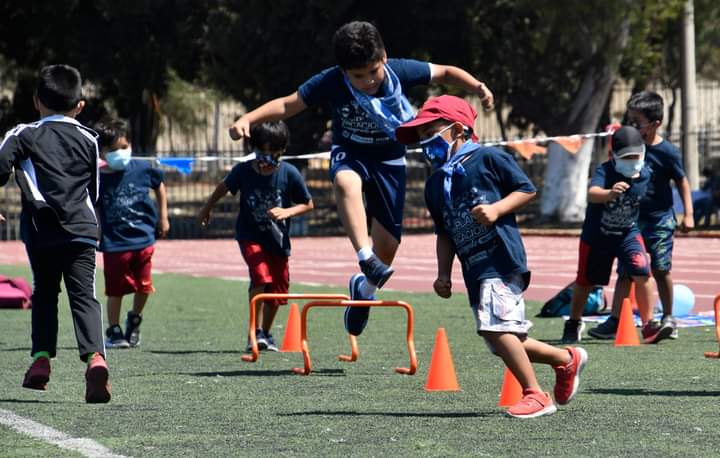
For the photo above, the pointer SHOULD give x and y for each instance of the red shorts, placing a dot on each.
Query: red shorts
(128, 272)
(266, 269)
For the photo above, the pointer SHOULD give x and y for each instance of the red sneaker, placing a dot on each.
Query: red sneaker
(97, 384)
(37, 377)
(534, 403)
(567, 377)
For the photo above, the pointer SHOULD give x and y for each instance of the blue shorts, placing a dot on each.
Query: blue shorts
(383, 187)
(658, 235)
(596, 258)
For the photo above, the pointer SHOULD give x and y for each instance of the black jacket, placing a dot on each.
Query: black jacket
(56, 168)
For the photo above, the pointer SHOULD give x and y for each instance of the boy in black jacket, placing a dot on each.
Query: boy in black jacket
(56, 167)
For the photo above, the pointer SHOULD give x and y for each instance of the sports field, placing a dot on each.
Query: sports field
(185, 391)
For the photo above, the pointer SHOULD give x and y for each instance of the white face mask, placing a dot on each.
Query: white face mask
(628, 167)
(118, 159)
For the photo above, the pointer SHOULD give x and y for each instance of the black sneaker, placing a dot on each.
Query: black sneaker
(653, 332)
(261, 340)
(376, 271)
(132, 328)
(115, 337)
(356, 318)
(606, 329)
(270, 340)
(572, 333)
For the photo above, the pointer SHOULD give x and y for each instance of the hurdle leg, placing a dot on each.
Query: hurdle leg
(354, 352)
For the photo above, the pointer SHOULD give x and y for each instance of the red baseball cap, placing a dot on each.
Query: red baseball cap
(446, 107)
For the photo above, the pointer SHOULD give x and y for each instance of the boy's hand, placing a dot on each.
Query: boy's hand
(485, 214)
(2, 218)
(163, 228)
(204, 217)
(486, 97)
(279, 213)
(687, 224)
(240, 129)
(443, 287)
(617, 189)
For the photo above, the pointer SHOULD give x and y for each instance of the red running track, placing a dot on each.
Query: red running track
(331, 261)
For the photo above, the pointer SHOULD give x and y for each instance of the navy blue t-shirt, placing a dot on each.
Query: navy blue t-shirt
(352, 127)
(665, 163)
(620, 216)
(484, 252)
(258, 194)
(128, 215)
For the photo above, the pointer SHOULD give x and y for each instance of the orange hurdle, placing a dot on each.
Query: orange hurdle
(716, 305)
(252, 324)
(344, 303)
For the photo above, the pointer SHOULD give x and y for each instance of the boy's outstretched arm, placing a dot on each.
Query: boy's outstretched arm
(445, 253)
(163, 222)
(220, 191)
(279, 213)
(488, 214)
(458, 77)
(688, 221)
(598, 195)
(274, 110)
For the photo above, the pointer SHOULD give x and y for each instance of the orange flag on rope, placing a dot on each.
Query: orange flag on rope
(571, 143)
(527, 149)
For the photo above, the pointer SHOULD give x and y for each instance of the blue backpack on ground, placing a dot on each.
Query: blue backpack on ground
(559, 304)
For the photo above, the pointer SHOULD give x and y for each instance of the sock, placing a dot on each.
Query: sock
(40, 354)
(365, 253)
(91, 356)
(367, 289)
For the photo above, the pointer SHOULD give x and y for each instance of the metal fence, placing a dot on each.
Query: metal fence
(187, 194)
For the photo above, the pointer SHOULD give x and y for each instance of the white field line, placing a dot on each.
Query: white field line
(84, 446)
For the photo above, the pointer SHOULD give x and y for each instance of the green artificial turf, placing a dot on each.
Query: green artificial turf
(185, 390)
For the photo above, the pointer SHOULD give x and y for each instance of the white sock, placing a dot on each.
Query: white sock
(364, 253)
(367, 289)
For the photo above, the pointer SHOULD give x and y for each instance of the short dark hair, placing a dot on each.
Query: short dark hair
(275, 134)
(357, 44)
(109, 130)
(59, 87)
(650, 104)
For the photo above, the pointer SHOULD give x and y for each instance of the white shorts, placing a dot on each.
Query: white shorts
(501, 307)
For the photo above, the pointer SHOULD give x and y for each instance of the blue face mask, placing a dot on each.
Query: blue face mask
(266, 159)
(436, 149)
(628, 167)
(118, 159)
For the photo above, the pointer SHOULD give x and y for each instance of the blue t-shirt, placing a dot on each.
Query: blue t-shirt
(352, 127)
(616, 218)
(484, 252)
(258, 194)
(128, 216)
(665, 163)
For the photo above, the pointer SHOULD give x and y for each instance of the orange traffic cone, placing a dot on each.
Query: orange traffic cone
(291, 341)
(626, 335)
(511, 391)
(441, 375)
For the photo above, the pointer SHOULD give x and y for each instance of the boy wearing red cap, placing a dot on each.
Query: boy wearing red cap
(365, 93)
(472, 197)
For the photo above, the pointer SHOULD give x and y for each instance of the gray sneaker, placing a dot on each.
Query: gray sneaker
(262, 342)
(669, 321)
(132, 328)
(572, 332)
(605, 330)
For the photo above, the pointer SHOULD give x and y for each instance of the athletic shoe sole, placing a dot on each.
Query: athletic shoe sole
(97, 391)
(356, 317)
(549, 410)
